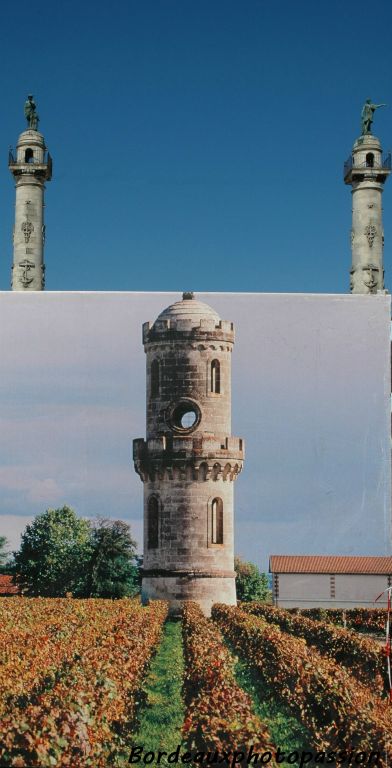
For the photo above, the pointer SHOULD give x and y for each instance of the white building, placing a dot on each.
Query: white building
(329, 581)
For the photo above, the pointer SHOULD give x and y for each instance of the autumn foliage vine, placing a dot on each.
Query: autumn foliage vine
(219, 713)
(339, 712)
(83, 712)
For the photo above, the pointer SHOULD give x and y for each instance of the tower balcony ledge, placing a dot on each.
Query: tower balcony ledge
(33, 167)
(378, 171)
(28, 169)
(206, 459)
(190, 446)
(370, 175)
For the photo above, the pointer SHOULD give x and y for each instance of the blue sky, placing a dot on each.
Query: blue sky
(196, 145)
(310, 393)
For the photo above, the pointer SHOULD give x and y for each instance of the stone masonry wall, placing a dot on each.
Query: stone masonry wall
(185, 371)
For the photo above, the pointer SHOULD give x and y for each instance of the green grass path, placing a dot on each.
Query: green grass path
(162, 717)
(286, 732)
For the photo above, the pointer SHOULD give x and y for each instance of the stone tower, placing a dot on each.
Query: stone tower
(189, 460)
(366, 170)
(31, 166)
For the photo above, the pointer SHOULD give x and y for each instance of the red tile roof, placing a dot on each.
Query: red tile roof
(7, 587)
(330, 564)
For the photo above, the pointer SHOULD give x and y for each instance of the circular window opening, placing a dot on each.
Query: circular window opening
(185, 416)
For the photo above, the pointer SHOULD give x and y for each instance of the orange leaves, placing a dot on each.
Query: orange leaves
(338, 711)
(33, 644)
(361, 656)
(80, 679)
(361, 619)
(219, 714)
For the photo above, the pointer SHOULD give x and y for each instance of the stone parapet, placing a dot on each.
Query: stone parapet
(194, 445)
(181, 328)
(38, 170)
(208, 457)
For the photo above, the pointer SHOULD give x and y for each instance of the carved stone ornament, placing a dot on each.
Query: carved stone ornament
(27, 228)
(370, 282)
(370, 232)
(352, 236)
(27, 266)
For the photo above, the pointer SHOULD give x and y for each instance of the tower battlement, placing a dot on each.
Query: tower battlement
(169, 329)
(199, 458)
(190, 447)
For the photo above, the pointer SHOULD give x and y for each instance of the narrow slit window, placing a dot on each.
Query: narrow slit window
(153, 523)
(215, 376)
(155, 378)
(217, 521)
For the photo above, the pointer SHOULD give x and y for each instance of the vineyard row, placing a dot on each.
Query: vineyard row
(339, 712)
(361, 656)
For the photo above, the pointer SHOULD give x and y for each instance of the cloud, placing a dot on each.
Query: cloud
(12, 527)
(43, 491)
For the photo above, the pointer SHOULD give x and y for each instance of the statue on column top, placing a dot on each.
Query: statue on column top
(367, 113)
(30, 110)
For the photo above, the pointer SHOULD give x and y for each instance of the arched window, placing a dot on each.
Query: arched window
(215, 376)
(217, 521)
(155, 378)
(153, 523)
(370, 160)
(203, 471)
(29, 155)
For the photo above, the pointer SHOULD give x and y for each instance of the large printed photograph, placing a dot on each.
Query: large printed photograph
(195, 527)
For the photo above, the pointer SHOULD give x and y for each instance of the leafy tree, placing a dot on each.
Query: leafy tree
(137, 574)
(113, 569)
(251, 584)
(53, 554)
(3, 552)
(7, 565)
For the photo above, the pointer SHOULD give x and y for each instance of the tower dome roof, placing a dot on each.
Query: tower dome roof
(189, 308)
(31, 137)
